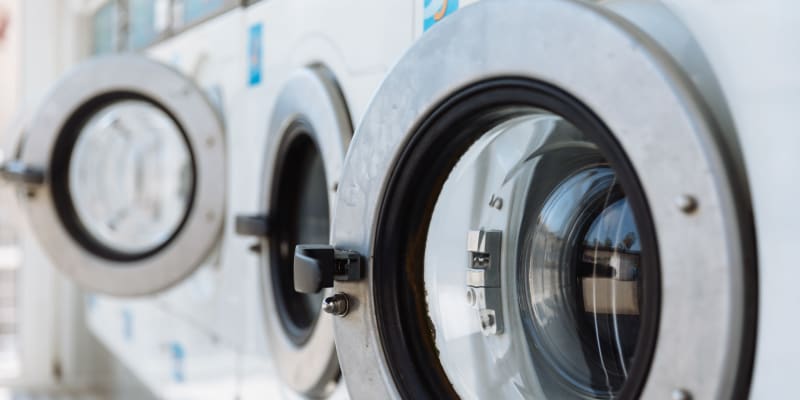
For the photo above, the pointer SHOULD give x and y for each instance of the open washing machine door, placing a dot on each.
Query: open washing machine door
(122, 175)
(546, 202)
(309, 133)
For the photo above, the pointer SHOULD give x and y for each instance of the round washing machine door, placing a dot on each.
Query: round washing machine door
(310, 130)
(119, 171)
(544, 207)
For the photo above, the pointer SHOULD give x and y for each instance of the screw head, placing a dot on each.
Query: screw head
(338, 304)
(686, 203)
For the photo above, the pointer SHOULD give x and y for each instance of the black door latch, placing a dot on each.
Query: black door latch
(316, 266)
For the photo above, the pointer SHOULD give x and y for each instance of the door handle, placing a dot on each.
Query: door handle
(316, 266)
(253, 225)
(18, 172)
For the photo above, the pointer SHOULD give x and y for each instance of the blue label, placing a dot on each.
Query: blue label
(178, 355)
(436, 10)
(127, 325)
(254, 55)
(91, 300)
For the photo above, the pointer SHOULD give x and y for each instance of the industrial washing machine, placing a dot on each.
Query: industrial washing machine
(320, 65)
(569, 199)
(123, 172)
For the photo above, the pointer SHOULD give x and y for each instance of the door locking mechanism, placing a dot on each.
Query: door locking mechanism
(317, 266)
(484, 292)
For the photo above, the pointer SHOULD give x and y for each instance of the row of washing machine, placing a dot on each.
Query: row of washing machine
(542, 199)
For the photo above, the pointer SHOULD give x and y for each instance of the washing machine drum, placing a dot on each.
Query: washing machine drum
(546, 208)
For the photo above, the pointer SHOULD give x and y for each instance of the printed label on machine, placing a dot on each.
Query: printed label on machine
(254, 55)
(436, 10)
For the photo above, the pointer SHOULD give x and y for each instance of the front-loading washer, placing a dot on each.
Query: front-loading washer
(318, 65)
(122, 173)
(552, 199)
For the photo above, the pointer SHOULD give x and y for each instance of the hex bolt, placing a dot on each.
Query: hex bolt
(681, 394)
(686, 203)
(338, 304)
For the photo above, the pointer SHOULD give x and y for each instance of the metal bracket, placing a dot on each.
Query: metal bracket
(317, 266)
(19, 173)
(484, 291)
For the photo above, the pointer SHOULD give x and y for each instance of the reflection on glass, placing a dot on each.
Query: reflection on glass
(571, 265)
(130, 177)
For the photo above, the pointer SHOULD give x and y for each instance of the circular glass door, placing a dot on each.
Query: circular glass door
(560, 284)
(130, 179)
(301, 195)
(128, 199)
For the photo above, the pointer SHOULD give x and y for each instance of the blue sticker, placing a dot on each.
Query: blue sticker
(90, 300)
(178, 356)
(254, 55)
(127, 324)
(435, 10)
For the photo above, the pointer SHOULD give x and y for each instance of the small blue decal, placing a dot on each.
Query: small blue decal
(90, 300)
(254, 55)
(435, 10)
(178, 355)
(127, 324)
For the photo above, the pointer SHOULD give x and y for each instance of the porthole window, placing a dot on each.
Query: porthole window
(539, 256)
(131, 177)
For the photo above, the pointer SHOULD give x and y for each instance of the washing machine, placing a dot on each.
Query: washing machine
(312, 67)
(123, 171)
(569, 199)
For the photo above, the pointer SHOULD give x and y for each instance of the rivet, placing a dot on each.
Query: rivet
(210, 216)
(210, 141)
(681, 394)
(686, 203)
(338, 304)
